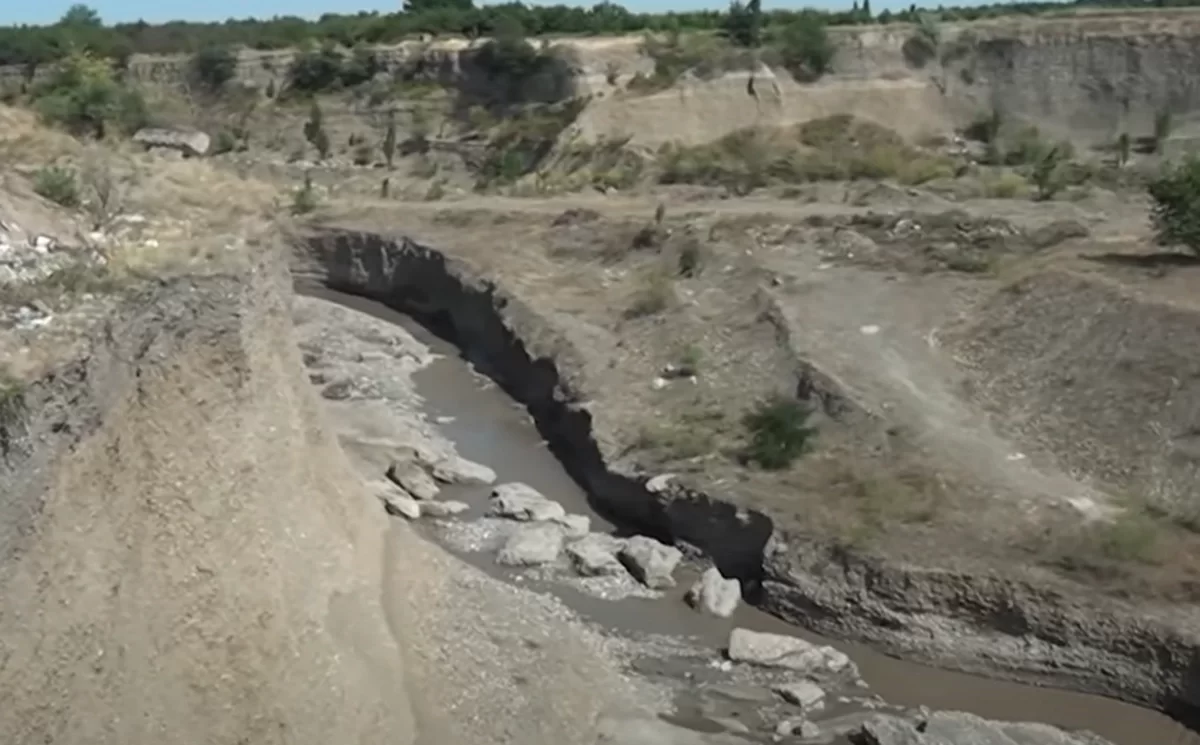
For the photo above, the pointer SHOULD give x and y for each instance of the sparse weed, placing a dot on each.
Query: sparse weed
(436, 191)
(779, 432)
(690, 358)
(1006, 185)
(653, 297)
(12, 398)
(424, 168)
(695, 434)
(364, 154)
(691, 258)
(304, 199)
(1176, 210)
(58, 184)
(1113, 546)
(105, 191)
(833, 148)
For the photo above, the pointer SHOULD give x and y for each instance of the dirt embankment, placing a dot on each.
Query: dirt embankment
(1049, 633)
(185, 556)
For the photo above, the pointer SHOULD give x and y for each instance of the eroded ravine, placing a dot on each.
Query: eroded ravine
(488, 427)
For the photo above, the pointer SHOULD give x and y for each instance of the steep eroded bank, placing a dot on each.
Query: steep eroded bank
(1052, 634)
(195, 562)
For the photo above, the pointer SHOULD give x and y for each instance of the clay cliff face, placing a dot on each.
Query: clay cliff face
(1087, 77)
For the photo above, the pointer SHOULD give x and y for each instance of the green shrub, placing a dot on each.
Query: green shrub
(1176, 209)
(314, 131)
(212, 67)
(520, 143)
(923, 45)
(59, 185)
(804, 47)
(316, 70)
(779, 432)
(83, 96)
(225, 142)
(361, 67)
(743, 23)
(1047, 176)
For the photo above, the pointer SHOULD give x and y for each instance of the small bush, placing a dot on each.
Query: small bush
(213, 67)
(691, 259)
(12, 394)
(1176, 209)
(985, 128)
(59, 185)
(653, 297)
(304, 199)
(315, 71)
(105, 192)
(779, 432)
(923, 45)
(1046, 174)
(225, 142)
(314, 131)
(1007, 185)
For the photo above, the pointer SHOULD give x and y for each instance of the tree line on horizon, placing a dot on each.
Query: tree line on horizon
(81, 27)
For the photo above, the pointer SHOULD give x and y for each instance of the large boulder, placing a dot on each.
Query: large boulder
(397, 501)
(804, 693)
(532, 545)
(191, 143)
(651, 562)
(715, 595)
(791, 652)
(595, 555)
(522, 502)
(410, 476)
(960, 728)
(574, 526)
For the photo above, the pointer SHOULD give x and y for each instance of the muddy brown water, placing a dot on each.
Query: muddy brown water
(488, 427)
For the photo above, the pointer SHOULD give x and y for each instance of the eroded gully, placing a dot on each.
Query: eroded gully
(486, 426)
